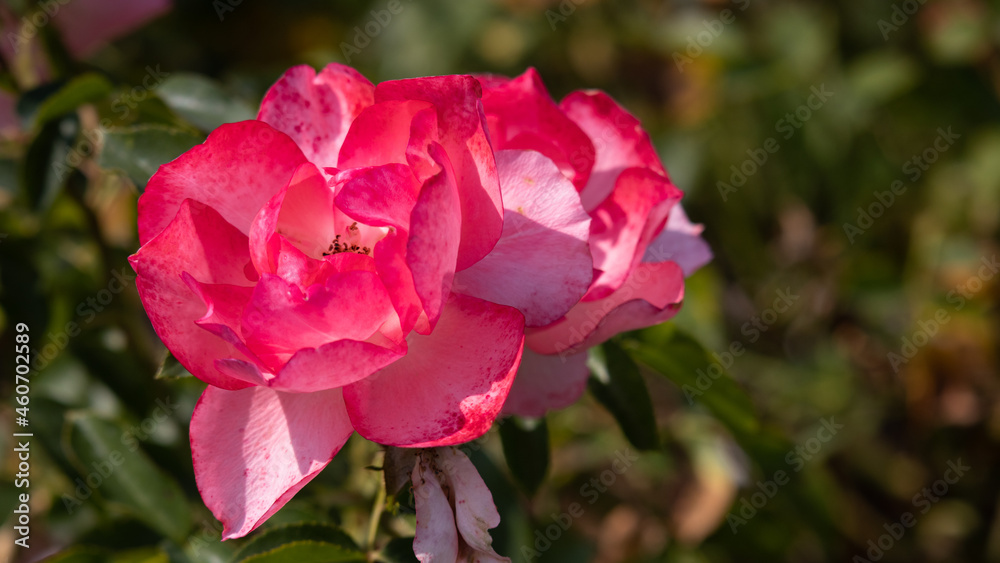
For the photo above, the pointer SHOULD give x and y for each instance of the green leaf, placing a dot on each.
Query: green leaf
(328, 537)
(47, 163)
(140, 150)
(526, 449)
(82, 89)
(202, 102)
(170, 368)
(127, 478)
(398, 550)
(616, 382)
(680, 358)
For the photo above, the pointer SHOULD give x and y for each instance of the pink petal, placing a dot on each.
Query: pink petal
(316, 110)
(380, 196)
(87, 25)
(542, 263)
(433, 246)
(202, 244)
(381, 133)
(255, 448)
(235, 171)
(618, 138)
(624, 225)
(522, 115)
(475, 512)
(547, 382)
(302, 212)
(651, 294)
(450, 385)
(390, 262)
(334, 365)
(281, 318)
(680, 242)
(463, 133)
(436, 540)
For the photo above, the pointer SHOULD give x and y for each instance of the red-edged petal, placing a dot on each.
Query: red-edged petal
(463, 133)
(316, 110)
(381, 196)
(651, 295)
(381, 133)
(255, 448)
(390, 262)
(436, 538)
(202, 244)
(547, 382)
(522, 115)
(281, 318)
(433, 246)
(680, 242)
(618, 138)
(450, 386)
(624, 225)
(235, 171)
(542, 263)
(334, 365)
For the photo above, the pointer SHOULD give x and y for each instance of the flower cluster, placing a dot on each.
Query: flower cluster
(407, 261)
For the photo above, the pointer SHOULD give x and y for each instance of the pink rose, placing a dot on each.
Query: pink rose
(344, 263)
(641, 241)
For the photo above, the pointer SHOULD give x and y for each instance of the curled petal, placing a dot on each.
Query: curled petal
(451, 384)
(201, 244)
(255, 448)
(651, 294)
(680, 242)
(316, 110)
(436, 540)
(543, 256)
(267, 159)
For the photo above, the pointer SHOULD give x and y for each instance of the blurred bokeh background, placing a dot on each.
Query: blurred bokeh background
(844, 158)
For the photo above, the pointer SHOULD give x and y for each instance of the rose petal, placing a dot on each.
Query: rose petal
(651, 294)
(618, 138)
(281, 318)
(680, 242)
(522, 115)
(450, 386)
(255, 448)
(546, 382)
(334, 365)
(475, 512)
(381, 133)
(543, 256)
(381, 196)
(436, 539)
(201, 243)
(235, 171)
(624, 225)
(463, 134)
(316, 110)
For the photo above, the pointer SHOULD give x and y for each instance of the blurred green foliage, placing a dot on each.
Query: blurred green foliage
(844, 158)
